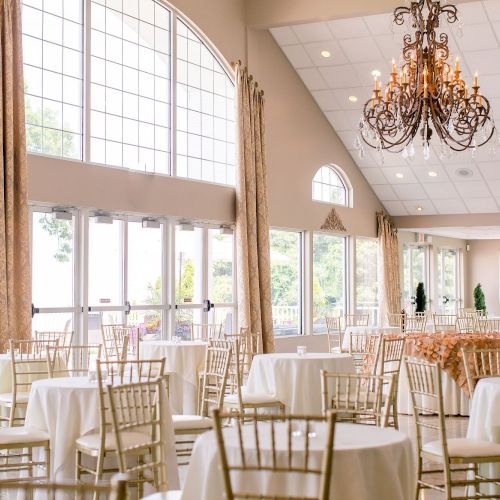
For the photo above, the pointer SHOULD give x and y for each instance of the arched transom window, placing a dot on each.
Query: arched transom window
(329, 186)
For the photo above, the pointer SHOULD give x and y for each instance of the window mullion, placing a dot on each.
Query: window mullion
(173, 96)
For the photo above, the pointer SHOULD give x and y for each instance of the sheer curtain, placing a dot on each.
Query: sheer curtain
(252, 223)
(390, 291)
(15, 273)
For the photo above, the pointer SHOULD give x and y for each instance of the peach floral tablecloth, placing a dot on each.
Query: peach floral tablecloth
(445, 348)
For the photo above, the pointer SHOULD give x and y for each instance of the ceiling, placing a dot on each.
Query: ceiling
(358, 45)
(463, 233)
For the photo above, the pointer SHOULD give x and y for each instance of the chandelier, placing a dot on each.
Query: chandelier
(427, 95)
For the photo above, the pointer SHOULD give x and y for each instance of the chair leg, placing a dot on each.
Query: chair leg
(12, 414)
(419, 477)
(47, 462)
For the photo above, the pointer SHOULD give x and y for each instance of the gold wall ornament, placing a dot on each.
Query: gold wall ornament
(333, 222)
(426, 91)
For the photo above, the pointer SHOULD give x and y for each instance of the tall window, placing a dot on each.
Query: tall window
(367, 278)
(328, 186)
(415, 265)
(286, 281)
(329, 271)
(447, 280)
(131, 102)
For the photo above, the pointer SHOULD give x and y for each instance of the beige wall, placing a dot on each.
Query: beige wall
(484, 258)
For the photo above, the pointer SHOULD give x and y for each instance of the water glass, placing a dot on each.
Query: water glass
(301, 350)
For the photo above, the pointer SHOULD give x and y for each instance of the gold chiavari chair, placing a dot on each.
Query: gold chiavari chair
(460, 457)
(130, 335)
(29, 363)
(272, 462)
(137, 412)
(444, 322)
(467, 324)
(112, 351)
(356, 320)
(334, 333)
(480, 363)
(240, 401)
(215, 375)
(358, 398)
(396, 320)
(72, 361)
(116, 490)
(389, 364)
(63, 338)
(364, 348)
(415, 324)
(250, 345)
(205, 332)
(97, 446)
(463, 311)
(486, 325)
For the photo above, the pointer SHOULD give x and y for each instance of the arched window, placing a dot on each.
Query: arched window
(330, 185)
(150, 95)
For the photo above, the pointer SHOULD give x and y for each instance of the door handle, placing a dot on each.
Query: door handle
(208, 305)
(34, 310)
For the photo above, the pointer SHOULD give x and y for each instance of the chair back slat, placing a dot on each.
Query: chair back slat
(72, 361)
(334, 333)
(364, 348)
(444, 322)
(480, 363)
(356, 320)
(206, 331)
(415, 324)
(64, 338)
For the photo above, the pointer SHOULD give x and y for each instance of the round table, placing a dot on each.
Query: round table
(381, 330)
(295, 380)
(67, 408)
(484, 422)
(368, 463)
(184, 360)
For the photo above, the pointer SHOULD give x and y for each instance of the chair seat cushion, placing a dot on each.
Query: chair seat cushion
(8, 397)
(93, 441)
(13, 435)
(185, 422)
(463, 447)
(251, 398)
(165, 495)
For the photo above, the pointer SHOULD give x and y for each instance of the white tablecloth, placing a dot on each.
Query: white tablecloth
(68, 408)
(185, 360)
(366, 329)
(484, 422)
(295, 380)
(455, 401)
(369, 463)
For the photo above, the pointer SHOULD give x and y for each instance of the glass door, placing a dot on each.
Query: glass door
(447, 269)
(53, 244)
(414, 271)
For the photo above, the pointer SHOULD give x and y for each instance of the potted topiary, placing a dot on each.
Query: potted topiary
(479, 300)
(420, 299)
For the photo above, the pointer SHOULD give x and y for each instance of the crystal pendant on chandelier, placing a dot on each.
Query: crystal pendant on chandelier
(427, 92)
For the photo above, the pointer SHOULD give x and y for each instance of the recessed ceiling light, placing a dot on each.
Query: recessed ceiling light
(326, 54)
(375, 73)
(353, 98)
(419, 208)
(432, 174)
(399, 175)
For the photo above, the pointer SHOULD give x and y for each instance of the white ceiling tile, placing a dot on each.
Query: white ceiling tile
(473, 189)
(379, 24)
(374, 175)
(426, 206)
(297, 56)
(312, 79)
(422, 174)
(481, 61)
(407, 192)
(395, 208)
(344, 120)
(338, 77)
(484, 153)
(455, 170)
(390, 47)
(312, 32)
(492, 9)
(494, 186)
(336, 54)
(348, 28)
(452, 206)
(367, 161)
(490, 86)
(342, 95)
(477, 37)
(360, 50)
(284, 35)
(440, 190)
(481, 205)
(472, 13)
(364, 71)
(326, 100)
(392, 177)
(348, 137)
(385, 193)
(490, 171)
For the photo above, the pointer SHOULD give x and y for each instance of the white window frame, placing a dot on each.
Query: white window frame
(343, 179)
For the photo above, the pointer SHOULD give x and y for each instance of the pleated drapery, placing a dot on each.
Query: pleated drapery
(252, 217)
(390, 297)
(15, 273)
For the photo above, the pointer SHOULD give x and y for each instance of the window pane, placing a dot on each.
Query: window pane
(204, 91)
(105, 263)
(448, 281)
(327, 186)
(188, 266)
(286, 281)
(53, 322)
(149, 321)
(414, 271)
(366, 278)
(52, 255)
(328, 279)
(220, 278)
(131, 61)
(52, 54)
(144, 264)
